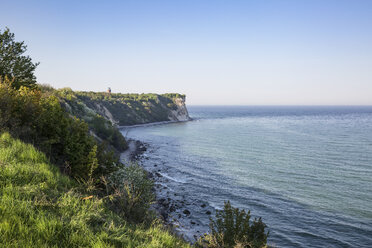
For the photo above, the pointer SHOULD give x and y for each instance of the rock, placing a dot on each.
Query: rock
(164, 214)
(158, 174)
(208, 212)
(164, 202)
(187, 212)
(203, 205)
(155, 165)
(192, 222)
(172, 208)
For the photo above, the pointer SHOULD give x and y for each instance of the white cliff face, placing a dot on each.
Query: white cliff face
(181, 114)
(102, 110)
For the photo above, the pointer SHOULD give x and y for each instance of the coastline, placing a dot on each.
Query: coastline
(175, 210)
(135, 149)
(152, 124)
(177, 166)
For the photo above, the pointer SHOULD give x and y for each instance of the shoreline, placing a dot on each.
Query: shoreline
(132, 154)
(175, 210)
(153, 124)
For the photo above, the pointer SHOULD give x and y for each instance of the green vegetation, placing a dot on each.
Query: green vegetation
(233, 228)
(40, 207)
(39, 119)
(13, 64)
(108, 135)
(127, 109)
(133, 193)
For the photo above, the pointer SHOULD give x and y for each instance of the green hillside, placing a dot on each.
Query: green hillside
(40, 207)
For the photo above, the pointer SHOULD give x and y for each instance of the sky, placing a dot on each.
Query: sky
(252, 52)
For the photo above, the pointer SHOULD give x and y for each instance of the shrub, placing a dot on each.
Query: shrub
(106, 131)
(38, 119)
(86, 107)
(132, 192)
(233, 228)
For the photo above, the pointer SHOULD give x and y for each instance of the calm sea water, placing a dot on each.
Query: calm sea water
(307, 171)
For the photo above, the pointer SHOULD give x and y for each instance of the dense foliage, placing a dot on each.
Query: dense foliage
(102, 128)
(40, 207)
(39, 119)
(132, 192)
(233, 228)
(13, 64)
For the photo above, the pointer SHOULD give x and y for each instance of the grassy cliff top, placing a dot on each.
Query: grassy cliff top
(68, 92)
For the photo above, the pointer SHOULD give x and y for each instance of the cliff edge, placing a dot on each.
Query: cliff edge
(180, 113)
(133, 109)
(104, 112)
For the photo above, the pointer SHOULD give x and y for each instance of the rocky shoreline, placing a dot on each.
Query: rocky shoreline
(177, 212)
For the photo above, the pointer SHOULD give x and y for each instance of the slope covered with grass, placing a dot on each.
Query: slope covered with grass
(40, 207)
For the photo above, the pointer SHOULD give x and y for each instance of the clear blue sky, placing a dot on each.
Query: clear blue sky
(300, 52)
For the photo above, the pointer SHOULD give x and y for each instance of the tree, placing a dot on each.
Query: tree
(13, 64)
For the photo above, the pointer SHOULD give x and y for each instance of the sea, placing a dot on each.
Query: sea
(306, 170)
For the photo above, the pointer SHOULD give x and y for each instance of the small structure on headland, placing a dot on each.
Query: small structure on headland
(109, 90)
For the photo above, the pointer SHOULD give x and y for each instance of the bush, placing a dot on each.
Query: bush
(104, 130)
(132, 192)
(84, 107)
(38, 119)
(232, 228)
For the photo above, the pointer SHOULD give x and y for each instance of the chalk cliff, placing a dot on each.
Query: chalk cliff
(104, 112)
(180, 113)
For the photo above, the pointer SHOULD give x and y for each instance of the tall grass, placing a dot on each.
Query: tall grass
(40, 207)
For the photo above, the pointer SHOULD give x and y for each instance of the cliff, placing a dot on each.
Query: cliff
(132, 109)
(128, 109)
(104, 112)
(179, 113)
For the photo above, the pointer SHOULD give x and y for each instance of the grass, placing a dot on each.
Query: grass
(40, 207)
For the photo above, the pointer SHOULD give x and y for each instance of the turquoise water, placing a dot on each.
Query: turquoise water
(306, 170)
